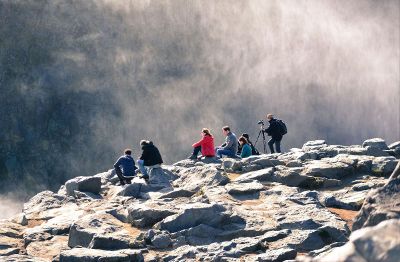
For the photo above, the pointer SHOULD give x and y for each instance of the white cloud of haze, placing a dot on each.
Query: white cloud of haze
(162, 70)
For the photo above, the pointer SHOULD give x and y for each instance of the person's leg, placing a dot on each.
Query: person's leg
(278, 146)
(271, 145)
(196, 151)
(221, 152)
(120, 176)
(142, 168)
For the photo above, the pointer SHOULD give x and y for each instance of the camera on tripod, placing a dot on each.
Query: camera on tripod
(261, 133)
(261, 122)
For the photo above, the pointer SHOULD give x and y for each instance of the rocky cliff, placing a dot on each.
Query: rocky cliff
(299, 205)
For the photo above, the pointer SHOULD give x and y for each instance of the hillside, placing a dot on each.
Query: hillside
(301, 205)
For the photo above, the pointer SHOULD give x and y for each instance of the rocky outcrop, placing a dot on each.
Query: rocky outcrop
(263, 208)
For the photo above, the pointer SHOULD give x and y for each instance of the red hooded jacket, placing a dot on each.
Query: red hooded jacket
(207, 146)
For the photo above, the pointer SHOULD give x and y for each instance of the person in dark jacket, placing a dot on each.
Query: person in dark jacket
(274, 131)
(150, 158)
(125, 167)
(254, 150)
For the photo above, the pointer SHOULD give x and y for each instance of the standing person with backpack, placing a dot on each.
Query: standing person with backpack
(276, 130)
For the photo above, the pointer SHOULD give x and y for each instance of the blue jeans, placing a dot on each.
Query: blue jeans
(277, 143)
(228, 153)
(142, 168)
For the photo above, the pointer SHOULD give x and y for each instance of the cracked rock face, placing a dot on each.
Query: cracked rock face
(262, 208)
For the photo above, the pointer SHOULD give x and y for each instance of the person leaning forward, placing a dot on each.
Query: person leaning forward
(125, 167)
(150, 158)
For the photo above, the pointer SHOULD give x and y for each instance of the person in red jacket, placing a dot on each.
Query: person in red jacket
(205, 145)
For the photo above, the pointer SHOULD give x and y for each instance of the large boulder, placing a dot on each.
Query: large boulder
(100, 231)
(378, 243)
(194, 178)
(43, 201)
(381, 204)
(148, 214)
(377, 143)
(330, 168)
(95, 255)
(193, 215)
(383, 166)
(90, 184)
(260, 175)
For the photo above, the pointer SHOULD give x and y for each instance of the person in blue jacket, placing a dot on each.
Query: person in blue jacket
(125, 167)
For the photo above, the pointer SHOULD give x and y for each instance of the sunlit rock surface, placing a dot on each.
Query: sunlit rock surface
(298, 205)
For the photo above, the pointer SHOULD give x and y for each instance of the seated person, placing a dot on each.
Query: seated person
(254, 150)
(127, 164)
(246, 148)
(229, 148)
(205, 145)
(150, 158)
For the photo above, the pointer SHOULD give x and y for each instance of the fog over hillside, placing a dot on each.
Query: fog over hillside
(82, 80)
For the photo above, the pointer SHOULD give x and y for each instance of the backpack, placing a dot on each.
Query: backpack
(282, 125)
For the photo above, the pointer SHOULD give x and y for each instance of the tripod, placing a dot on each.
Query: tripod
(263, 136)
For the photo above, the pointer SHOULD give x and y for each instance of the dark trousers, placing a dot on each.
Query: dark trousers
(121, 177)
(196, 150)
(277, 143)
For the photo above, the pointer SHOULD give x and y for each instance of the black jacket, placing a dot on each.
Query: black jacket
(274, 129)
(150, 155)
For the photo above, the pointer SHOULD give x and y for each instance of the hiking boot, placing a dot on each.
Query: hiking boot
(128, 181)
(192, 157)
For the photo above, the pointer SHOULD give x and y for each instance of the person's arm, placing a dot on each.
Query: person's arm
(229, 142)
(118, 163)
(199, 143)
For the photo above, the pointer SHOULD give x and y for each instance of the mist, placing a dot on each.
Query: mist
(82, 80)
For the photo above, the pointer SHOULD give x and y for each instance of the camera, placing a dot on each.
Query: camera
(261, 122)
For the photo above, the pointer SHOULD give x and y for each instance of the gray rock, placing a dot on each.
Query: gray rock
(378, 243)
(314, 145)
(194, 178)
(161, 176)
(146, 215)
(383, 166)
(43, 201)
(244, 188)
(379, 205)
(276, 255)
(350, 201)
(329, 168)
(377, 143)
(95, 255)
(83, 183)
(179, 192)
(161, 241)
(99, 231)
(128, 190)
(20, 219)
(22, 258)
(260, 175)
(193, 215)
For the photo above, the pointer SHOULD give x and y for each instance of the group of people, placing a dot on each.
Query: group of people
(233, 147)
(126, 169)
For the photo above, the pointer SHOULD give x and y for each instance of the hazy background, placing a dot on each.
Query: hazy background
(82, 80)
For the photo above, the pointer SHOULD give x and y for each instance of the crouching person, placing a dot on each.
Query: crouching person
(230, 147)
(205, 145)
(125, 167)
(150, 158)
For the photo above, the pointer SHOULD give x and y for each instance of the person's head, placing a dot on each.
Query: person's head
(226, 130)
(206, 132)
(246, 136)
(270, 117)
(144, 142)
(242, 140)
(128, 151)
